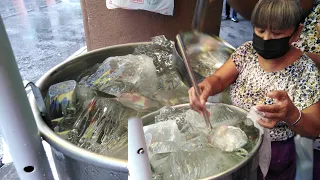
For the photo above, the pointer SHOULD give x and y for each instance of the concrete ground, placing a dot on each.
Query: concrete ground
(43, 33)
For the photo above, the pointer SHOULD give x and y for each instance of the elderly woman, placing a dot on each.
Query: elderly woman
(277, 77)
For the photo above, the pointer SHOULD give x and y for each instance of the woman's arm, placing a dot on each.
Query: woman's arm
(223, 77)
(309, 124)
(213, 84)
(315, 58)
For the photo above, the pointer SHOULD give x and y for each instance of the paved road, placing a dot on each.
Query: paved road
(43, 33)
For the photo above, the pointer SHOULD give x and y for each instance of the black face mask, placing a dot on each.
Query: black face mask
(271, 49)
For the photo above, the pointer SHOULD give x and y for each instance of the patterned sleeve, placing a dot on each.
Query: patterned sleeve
(309, 91)
(309, 40)
(240, 54)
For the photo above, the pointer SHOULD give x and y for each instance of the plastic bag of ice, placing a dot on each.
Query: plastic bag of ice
(162, 137)
(227, 138)
(196, 121)
(199, 164)
(121, 74)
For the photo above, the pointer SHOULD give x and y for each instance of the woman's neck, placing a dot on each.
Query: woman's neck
(274, 65)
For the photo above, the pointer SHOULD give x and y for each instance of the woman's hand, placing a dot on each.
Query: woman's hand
(199, 104)
(282, 110)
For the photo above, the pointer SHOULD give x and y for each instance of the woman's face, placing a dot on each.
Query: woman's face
(268, 34)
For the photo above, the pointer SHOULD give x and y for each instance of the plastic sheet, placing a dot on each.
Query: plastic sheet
(160, 50)
(265, 149)
(123, 74)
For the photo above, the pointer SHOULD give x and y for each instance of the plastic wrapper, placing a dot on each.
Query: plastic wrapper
(265, 149)
(123, 74)
(160, 50)
(171, 90)
(62, 98)
(305, 157)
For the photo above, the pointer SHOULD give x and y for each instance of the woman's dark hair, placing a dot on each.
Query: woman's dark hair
(276, 14)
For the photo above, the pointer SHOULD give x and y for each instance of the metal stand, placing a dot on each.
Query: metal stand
(17, 123)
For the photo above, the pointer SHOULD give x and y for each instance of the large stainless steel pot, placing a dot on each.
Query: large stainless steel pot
(247, 168)
(72, 162)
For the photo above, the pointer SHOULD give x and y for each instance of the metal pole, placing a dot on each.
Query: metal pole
(17, 123)
(138, 161)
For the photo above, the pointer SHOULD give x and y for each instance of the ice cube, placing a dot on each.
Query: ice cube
(163, 131)
(227, 138)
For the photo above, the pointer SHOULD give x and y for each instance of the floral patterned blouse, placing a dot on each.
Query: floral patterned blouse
(300, 80)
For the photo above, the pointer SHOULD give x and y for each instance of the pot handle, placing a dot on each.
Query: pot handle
(39, 100)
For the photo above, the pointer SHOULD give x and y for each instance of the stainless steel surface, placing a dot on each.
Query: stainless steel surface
(192, 77)
(246, 169)
(72, 161)
(198, 44)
